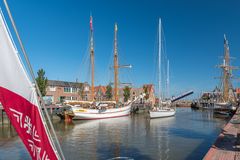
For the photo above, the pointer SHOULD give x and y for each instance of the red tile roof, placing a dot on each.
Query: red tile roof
(149, 86)
(102, 88)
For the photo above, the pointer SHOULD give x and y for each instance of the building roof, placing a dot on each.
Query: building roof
(238, 90)
(102, 88)
(149, 86)
(64, 83)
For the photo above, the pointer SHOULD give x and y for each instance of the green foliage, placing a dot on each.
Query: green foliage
(206, 96)
(126, 93)
(81, 90)
(109, 92)
(145, 90)
(42, 81)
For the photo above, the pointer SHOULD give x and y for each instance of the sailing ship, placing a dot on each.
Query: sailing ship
(226, 102)
(106, 109)
(164, 106)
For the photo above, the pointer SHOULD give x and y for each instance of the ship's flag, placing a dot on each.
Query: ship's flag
(19, 100)
(91, 25)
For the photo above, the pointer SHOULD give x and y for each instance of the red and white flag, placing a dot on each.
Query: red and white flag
(91, 23)
(19, 100)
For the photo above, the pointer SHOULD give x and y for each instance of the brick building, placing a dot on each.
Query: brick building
(150, 91)
(58, 91)
(238, 93)
(100, 93)
(138, 91)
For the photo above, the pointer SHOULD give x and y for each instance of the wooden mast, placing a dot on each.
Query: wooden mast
(115, 65)
(226, 70)
(92, 59)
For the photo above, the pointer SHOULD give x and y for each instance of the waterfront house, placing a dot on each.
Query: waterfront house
(150, 91)
(58, 91)
(238, 93)
(100, 93)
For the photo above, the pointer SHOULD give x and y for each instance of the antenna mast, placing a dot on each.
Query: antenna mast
(159, 61)
(115, 64)
(92, 59)
(168, 79)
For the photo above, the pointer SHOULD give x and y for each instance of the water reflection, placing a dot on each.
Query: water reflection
(11, 147)
(188, 135)
(159, 132)
(101, 139)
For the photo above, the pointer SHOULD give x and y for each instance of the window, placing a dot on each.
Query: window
(74, 90)
(86, 88)
(67, 89)
(74, 98)
(67, 98)
(61, 98)
(52, 88)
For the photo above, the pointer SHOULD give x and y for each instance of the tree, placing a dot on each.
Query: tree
(42, 81)
(126, 93)
(145, 90)
(109, 92)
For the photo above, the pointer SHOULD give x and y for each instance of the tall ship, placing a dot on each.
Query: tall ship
(90, 110)
(225, 101)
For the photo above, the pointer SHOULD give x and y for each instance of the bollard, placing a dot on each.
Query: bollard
(51, 110)
(2, 117)
(67, 117)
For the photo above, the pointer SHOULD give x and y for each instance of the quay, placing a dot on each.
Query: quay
(227, 145)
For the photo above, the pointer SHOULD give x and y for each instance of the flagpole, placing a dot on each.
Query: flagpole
(37, 88)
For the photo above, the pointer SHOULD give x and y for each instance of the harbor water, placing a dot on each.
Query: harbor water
(188, 135)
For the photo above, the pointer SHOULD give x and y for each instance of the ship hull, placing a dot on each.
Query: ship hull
(224, 106)
(92, 114)
(162, 113)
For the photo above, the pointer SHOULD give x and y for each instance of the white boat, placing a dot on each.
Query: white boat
(102, 110)
(224, 106)
(101, 113)
(163, 109)
(160, 113)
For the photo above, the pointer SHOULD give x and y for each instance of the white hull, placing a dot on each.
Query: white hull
(92, 114)
(225, 105)
(161, 113)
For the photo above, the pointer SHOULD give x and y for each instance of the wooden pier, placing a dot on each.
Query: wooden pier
(1, 110)
(140, 107)
(227, 145)
(4, 118)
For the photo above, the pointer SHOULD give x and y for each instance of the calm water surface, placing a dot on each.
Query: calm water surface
(188, 135)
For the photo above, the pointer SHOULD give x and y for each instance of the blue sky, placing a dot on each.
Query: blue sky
(56, 34)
